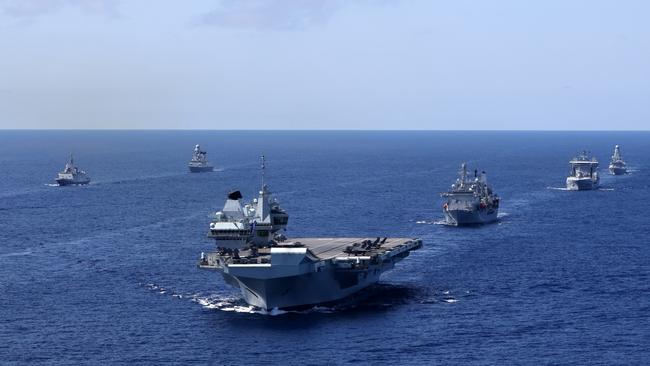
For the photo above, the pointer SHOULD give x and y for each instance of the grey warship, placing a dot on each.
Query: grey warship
(584, 173)
(617, 166)
(273, 272)
(199, 162)
(470, 201)
(71, 175)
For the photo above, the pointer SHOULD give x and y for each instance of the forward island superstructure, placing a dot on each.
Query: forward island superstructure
(254, 224)
(470, 201)
(272, 271)
(584, 173)
(617, 166)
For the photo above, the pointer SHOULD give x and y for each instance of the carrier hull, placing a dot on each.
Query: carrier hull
(317, 272)
(305, 290)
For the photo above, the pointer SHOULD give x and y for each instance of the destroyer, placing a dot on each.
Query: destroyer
(617, 165)
(470, 201)
(71, 175)
(199, 162)
(274, 272)
(584, 173)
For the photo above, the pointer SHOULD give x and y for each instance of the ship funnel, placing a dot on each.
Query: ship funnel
(235, 195)
(233, 208)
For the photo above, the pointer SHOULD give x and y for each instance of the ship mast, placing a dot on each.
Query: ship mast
(617, 154)
(263, 170)
(262, 210)
(463, 174)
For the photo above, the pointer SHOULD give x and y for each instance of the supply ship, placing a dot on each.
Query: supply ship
(470, 201)
(584, 173)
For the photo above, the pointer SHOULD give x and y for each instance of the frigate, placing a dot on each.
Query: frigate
(584, 173)
(199, 162)
(274, 272)
(470, 201)
(71, 175)
(617, 165)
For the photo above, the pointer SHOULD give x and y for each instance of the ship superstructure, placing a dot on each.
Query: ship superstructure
(272, 271)
(199, 162)
(470, 201)
(72, 175)
(584, 173)
(255, 223)
(617, 166)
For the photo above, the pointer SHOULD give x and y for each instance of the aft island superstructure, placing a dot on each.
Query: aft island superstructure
(275, 272)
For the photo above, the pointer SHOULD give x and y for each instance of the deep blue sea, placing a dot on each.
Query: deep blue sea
(106, 274)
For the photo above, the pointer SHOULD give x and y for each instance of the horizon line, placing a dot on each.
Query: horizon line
(313, 130)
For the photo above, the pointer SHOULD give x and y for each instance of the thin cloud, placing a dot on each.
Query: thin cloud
(276, 14)
(27, 9)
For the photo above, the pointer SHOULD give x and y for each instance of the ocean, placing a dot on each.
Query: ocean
(107, 273)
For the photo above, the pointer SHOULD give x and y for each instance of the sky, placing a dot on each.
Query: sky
(325, 64)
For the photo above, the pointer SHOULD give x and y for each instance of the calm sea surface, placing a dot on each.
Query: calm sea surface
(106, 274)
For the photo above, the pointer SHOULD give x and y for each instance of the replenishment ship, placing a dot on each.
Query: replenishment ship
(617, 165)
(584, 173)
(71, 175)
(470, 201)
(275, 272)
(199, 162)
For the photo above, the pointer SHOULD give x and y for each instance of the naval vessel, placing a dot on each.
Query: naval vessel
(274, 272)
(617, 165)
(470, 201)
(199, 162)
(584, 173)
(71, 175)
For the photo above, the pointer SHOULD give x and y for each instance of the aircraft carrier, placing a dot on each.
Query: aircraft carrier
(275, 272)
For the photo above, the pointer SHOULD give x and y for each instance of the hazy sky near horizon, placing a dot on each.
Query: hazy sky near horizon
(325, 64)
